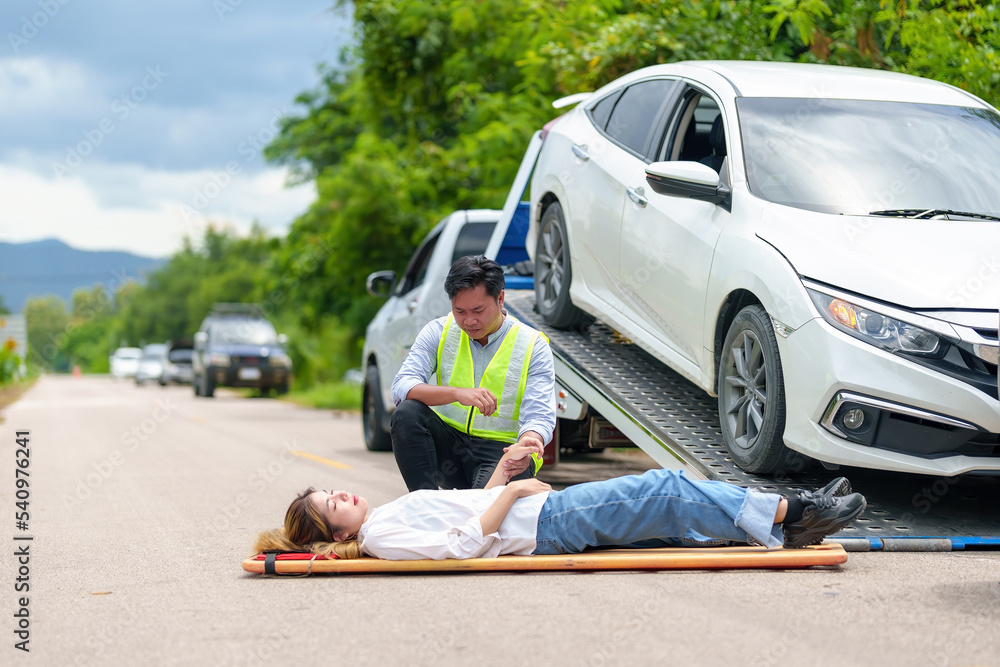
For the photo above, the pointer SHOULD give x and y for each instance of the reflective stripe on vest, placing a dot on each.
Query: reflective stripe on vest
(505, 376)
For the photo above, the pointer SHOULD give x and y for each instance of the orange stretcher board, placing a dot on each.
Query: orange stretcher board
(693, 558)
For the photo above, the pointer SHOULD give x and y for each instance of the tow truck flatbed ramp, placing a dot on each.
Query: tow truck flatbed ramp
(677, 424)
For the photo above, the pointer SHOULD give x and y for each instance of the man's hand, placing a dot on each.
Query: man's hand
(517, 457)
(481, 399)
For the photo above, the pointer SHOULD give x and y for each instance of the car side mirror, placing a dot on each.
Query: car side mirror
(381, 284)
(200, 339)
(282, 339)
(691, 180)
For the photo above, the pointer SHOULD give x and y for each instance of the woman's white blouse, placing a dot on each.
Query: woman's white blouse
(445, 524)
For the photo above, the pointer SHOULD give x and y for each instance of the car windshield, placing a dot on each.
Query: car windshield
(245, 331)
(855, 157)
(153, 351)
(180, 356)
(128, 353)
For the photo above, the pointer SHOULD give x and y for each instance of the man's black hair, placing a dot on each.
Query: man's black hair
(473, 271)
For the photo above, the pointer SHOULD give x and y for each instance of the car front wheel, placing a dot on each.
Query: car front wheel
(207, 386)
(752, 395)
(554, 273)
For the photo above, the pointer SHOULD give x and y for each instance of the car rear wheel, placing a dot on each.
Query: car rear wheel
(374, 419)
(553, 273)
(752, 395)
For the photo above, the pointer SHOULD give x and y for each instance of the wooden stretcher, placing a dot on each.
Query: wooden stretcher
(692, 558)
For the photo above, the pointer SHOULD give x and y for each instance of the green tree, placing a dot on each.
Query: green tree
(90, 329)
(3, 307)
(178, 295)
(47, 322)
(430, 111)
(431, 115)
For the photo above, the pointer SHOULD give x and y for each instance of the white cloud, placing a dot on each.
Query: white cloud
(141, 210)
(30, 86)
(200, 93)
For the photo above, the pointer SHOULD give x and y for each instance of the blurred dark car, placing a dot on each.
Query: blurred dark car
(177, 367)
(236, 346)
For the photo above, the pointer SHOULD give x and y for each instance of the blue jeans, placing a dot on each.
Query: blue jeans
(656, 508)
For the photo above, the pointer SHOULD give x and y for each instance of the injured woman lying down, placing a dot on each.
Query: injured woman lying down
(659, 508)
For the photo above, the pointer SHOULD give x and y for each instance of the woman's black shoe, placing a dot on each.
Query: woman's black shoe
(823, 514)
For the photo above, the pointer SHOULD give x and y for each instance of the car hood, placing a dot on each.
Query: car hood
(916, 264)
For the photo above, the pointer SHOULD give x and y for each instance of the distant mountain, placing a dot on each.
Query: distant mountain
(52, 267)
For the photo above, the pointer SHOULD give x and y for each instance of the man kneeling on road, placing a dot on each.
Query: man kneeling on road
(494, 386)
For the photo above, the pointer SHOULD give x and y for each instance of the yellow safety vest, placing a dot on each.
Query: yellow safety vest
(505, 376)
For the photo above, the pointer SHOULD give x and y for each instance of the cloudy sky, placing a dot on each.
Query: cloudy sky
(127, 125)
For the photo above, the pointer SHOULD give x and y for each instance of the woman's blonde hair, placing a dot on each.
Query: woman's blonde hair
(306, 529)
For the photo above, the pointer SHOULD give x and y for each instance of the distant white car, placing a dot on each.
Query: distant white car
(151, 363)
(815, 245)
(124, 362)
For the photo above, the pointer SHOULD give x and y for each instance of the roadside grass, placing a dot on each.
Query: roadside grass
(11, 391)
(329, 396)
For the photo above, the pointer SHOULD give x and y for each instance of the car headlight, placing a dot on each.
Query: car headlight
(875, 328)
(281, 361)
(218, 359)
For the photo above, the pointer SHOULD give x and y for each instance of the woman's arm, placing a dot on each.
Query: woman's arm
(396, 538)
(518, 450)
(494, 516)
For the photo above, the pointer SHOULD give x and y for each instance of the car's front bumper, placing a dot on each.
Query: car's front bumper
(821, 365)
(181, 375)
(239, 375)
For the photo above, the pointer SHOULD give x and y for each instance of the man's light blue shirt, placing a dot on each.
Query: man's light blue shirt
(538, 411)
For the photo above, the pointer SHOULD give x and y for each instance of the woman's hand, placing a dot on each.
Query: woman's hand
(522, 448)
(527, 487)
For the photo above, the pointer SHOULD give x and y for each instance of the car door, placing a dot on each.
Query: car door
(620, 125)
(630, 128)
(668, 242)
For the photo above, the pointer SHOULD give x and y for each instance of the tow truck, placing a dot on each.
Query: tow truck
(612, 393)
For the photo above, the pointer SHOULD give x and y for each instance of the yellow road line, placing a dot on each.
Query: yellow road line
(320, 459)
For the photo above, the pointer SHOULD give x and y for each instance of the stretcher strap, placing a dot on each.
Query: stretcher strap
(292, 555)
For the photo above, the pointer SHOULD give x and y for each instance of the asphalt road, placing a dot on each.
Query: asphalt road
(145, 500)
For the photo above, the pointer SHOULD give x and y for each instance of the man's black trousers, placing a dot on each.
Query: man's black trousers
(431, 454)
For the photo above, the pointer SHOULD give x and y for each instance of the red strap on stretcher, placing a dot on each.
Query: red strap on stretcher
(295, 555)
